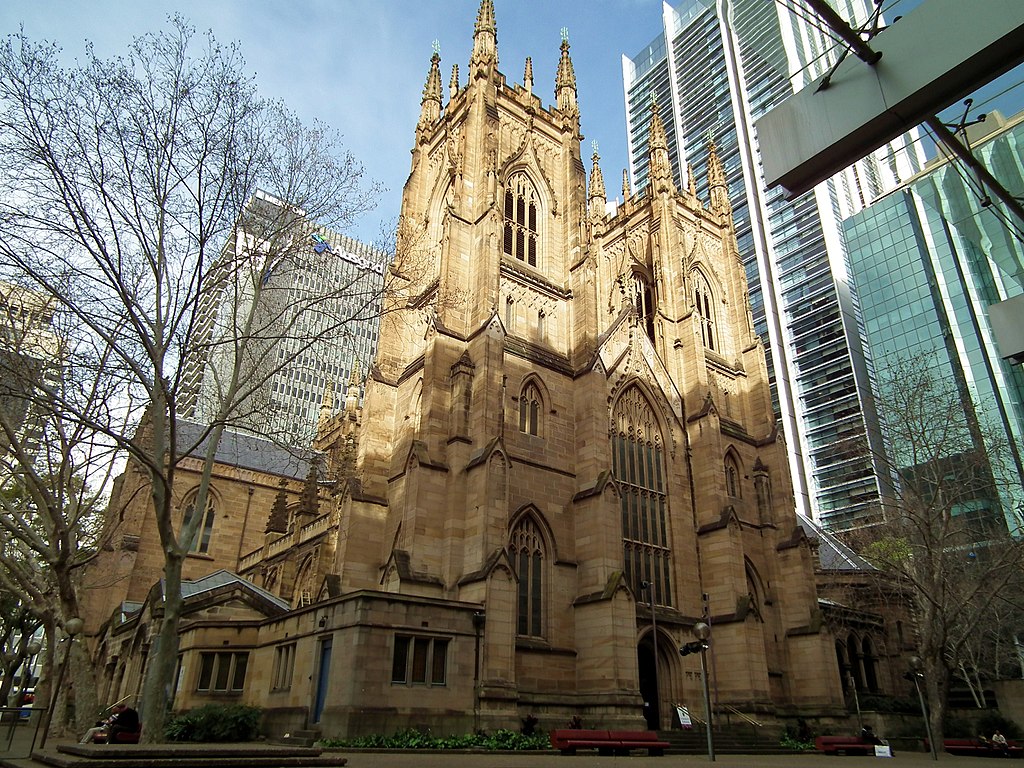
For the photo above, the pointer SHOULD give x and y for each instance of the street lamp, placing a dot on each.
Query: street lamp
(31, 649)
(654, 630)
(72, 626)
(916, 673)
(702, 632)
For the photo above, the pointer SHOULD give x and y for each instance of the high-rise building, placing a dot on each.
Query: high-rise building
(29, 357)
(717, 66)
(309, 315)
(928, 261)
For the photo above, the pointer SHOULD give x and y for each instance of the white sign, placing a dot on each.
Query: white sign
(684, 716)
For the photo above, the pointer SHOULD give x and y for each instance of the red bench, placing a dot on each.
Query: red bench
(978, 748)
(847, 745)
(120, 737)
(567, 741)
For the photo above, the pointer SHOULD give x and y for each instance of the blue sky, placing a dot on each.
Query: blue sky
(360, 65)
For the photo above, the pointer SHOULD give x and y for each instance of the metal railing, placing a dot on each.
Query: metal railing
(18, 726)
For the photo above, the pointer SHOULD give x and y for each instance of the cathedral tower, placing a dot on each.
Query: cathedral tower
(569, 422)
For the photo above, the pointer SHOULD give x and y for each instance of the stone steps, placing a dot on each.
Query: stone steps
(176, 755)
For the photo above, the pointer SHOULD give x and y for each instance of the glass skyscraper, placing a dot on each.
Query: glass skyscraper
(928, 261)
(717, 66)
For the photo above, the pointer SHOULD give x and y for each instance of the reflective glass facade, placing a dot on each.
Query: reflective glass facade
(723, 64)
(928, 260)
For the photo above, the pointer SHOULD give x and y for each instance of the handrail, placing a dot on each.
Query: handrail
(731, 709)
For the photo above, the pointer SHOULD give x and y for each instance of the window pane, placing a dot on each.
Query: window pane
(401, 660)
(523, 627)
(535, 596)
(205, 671)
(238, 679)
(223, 669)
(419, 659)
(440, 665)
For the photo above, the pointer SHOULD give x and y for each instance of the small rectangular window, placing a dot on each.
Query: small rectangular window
(439, 667)
(420, 660)
(222, 672)
(400, 661)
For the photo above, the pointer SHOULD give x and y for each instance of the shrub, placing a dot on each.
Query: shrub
(992, 721)
(413, 739)
(215, 723)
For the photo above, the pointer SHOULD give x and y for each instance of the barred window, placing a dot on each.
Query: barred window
(521, 204)
(638, 465)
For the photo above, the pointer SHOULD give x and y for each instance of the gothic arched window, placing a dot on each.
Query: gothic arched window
(521, 217)
(639, 466)
(529, 410)
(526, 549)
(201, 539)
(643, 300)
(704, 302)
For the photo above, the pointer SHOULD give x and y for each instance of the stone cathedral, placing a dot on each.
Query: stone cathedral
(566, 457)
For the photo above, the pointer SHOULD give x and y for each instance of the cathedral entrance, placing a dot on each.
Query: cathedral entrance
(648, 682)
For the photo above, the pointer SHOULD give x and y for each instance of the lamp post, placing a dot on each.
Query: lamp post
(654, 630)
(702, 632)
(72, 626)
(31, 649)
(917, 674)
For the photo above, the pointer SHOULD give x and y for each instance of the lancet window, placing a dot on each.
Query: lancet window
(704, 303)
(638, 464)
(521, 219)
(732, 477)
(526, 549)
(643, 300)
(201, 539)
(529, 410)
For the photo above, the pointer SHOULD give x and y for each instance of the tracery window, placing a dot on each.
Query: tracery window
(529, 410)
(643, 300)
(201, 539)
(704, 302)
(639, 466)
(526, 549)
(521, 216)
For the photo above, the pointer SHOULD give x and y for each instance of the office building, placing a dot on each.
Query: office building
(715, 68)
(929, 259)
(309, 314)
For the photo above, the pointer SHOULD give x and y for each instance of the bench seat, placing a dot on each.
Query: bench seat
(847, 745)
(976, 748)
(567, 741)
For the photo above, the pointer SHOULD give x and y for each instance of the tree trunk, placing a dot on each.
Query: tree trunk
(163, 656)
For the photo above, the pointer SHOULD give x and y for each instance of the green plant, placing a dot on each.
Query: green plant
(993, 721)
(215, 723)
(412, 739)
(790, 741)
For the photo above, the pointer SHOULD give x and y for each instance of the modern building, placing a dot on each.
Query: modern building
(29, 357)
(929, 259)
(716, 67)
(309, 313)
(565, 460)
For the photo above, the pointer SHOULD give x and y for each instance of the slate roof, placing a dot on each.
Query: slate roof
(832, 553)
(247, 451)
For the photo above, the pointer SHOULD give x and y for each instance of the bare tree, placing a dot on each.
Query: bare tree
(138, 206)
(951, 540)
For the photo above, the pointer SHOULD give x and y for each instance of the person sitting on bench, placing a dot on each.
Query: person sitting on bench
(123, 719)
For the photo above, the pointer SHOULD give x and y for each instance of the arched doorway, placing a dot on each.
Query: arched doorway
(648, 682)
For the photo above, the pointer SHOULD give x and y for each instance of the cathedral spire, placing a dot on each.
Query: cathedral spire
(691, 180)
(484, 60)
(565, 81)
(625, 185)
(598, 196)
(277, 521)
(352, 392)
(453, 86)
(326, 409)
(528, 75)
(660, 166)
(430, 104)
(718, 189)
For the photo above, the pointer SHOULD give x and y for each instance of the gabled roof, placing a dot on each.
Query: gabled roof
(832, 553)
(246, 450)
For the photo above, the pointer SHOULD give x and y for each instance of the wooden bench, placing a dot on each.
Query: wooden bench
(847, 745)
(567, 741)
(978, 748)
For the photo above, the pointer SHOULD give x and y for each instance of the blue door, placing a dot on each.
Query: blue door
(321, 680)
